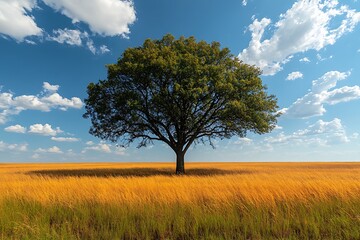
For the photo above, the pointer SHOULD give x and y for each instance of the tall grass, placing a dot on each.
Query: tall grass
(213, 201)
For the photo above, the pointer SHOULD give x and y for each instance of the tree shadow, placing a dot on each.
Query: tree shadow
(132, 172)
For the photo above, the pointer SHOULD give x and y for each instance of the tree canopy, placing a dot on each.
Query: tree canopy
(180, 92)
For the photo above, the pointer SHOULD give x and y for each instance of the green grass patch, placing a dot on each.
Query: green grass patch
(331, 219)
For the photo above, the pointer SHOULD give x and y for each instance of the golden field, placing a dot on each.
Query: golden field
(212, 201)
(255, 183)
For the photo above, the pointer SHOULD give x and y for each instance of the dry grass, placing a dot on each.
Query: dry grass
(218, 188)
(256, 183)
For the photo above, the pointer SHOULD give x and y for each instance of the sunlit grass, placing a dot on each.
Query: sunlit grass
(147, 201)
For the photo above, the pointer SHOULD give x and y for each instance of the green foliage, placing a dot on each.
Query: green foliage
(179, 92)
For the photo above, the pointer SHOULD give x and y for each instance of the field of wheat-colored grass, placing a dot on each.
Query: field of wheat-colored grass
(212, 201)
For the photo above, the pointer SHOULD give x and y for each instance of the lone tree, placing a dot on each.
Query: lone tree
(180, 92)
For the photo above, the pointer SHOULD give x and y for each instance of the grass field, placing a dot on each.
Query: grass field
(147, 201)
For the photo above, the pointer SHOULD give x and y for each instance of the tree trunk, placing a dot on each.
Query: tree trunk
(180, 169)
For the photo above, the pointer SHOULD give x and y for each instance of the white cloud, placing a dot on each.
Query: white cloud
(69, 36)
(105, 17)
(55, 99)
(46, 103)
(312, 104)
(101, 147)
(76, 38)
(16, 129)
(13, 147)
(53, 149)
(51, 88)
(16, 21)
(5, 100)
(45, 130)
(305, 59)
(280, 138)
(104, 49)
(244, 2)
(243, 141)
(4, 114)
(29, 42)
(120, 151)
(320, 58)
(354, 136)
(305, 26)
(13, 105)
(344, 94)
(328, 81)
(277, 127)
(320, 133)
(65, 139)
(91, 47)
(294, 75)
(30, 102)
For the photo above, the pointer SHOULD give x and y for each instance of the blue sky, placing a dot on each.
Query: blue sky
(51, 50)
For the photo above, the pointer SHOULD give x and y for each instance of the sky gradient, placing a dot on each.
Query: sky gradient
(309, 52)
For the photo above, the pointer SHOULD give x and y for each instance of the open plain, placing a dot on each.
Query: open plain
(148, 201)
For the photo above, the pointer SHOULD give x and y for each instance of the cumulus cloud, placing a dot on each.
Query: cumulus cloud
(16, 129)
(320, 133)
(344, 94)
(101, 147)
(305, 59)
(13, 147)
(16, 21)
(30, 102)
(51, 88)
(53, 149)
(294, 75)
(105, 17)
(328, 81)
(306, 25)
(312, 104)
(244, 2)
(55, 100)
(46, 103)
(65, 139)
(13, 105)
(45, 130)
